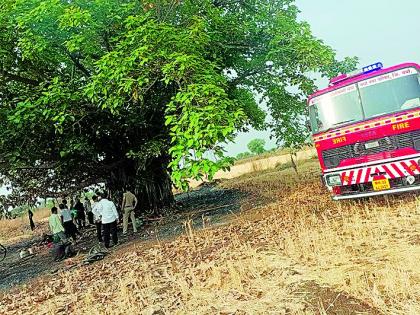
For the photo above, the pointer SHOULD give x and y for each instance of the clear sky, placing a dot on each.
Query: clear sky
(373, 30)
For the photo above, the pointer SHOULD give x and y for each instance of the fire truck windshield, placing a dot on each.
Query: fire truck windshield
(380, 95)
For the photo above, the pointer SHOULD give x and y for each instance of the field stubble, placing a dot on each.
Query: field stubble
(299, 254)
(17, 229)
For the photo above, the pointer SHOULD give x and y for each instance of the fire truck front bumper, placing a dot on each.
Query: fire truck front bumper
(378, 178)
(376, 193)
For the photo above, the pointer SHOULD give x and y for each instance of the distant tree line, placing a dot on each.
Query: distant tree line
(255, 147)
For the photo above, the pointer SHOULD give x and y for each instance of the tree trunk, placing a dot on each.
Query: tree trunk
(152, 186)
(294, 165)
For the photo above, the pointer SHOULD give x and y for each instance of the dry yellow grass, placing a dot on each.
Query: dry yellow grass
(15, 229)
(369, 249)
(280, 258)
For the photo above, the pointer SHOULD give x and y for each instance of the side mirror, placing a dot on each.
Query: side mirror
(308, 125)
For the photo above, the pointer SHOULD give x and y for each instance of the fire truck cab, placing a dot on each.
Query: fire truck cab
(366, 130)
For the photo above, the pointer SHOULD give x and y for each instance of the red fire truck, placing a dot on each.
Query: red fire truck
(366, 130)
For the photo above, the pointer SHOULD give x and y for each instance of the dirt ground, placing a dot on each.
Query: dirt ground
(209, 205)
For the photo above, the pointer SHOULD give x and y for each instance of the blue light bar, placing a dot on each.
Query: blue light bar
(373, 67)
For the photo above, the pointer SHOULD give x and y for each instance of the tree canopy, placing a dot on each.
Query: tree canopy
(256, 146)
(137, 93)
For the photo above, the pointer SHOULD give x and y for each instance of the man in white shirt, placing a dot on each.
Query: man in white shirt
(70, 228)
(109, 219)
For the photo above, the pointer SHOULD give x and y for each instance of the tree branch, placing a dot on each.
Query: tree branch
(246, 74)
(78, 65)
(17, 78)
(106, 41)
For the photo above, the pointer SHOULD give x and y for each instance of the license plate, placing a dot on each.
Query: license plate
(381, 184)
(373, 144)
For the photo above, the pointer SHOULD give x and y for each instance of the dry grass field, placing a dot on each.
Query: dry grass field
(17, 229)
(298, 253)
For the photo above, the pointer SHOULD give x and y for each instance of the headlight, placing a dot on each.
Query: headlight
(334, 180)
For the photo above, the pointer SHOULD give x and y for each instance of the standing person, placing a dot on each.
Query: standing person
(69, 228)
(129, 203)
(57, 230)
(88, 209)
(109, 219)
(81, 217)
(31, 220)
(97, 218)
(73, 212)
(56, 226)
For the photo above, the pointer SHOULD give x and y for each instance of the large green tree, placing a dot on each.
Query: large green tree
(256, 146)
(130, 92)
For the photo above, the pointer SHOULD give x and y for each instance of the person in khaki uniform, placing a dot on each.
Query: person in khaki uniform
(129, 203)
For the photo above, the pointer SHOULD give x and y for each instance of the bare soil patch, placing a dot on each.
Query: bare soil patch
(321, 299)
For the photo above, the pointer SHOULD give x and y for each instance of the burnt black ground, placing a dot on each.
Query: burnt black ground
(208, 205)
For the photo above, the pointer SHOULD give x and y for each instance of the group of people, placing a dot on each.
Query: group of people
(67, 222)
